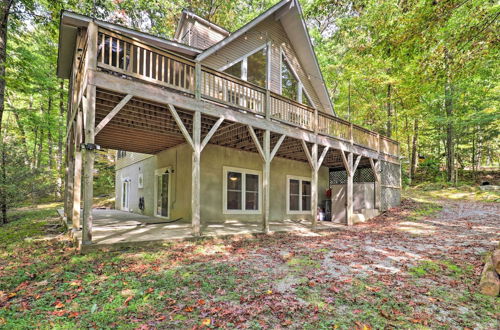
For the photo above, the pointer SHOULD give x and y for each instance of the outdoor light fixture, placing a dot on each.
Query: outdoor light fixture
(90, 146)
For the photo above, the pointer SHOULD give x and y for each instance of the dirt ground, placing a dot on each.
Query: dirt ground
(415, 266)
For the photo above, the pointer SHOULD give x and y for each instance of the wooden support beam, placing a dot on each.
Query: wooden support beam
(112, 113)
(197, 79)
(70, 170)
(346, 163)
(88, 165)
(322, 157)
(308, 154)
(211, 133)
(195, 174)
(257, 142)
(358, 159)
(77, 180)
(314, 185)
(276, 147)
(349, 190)
(183, 129)
(89, 153)
(163, 96)
(266, 170)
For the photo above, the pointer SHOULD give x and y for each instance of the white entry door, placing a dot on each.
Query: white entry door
(162, 193)
(125, 194)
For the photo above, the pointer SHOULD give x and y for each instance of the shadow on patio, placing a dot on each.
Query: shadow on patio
(113, 229)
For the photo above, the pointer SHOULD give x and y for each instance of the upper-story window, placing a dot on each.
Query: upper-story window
(252, 67)
(121, 154)
(291, 86)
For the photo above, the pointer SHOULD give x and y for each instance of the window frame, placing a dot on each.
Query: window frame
(300, 179)
(300, 86)
(244, 63)
(244, 172)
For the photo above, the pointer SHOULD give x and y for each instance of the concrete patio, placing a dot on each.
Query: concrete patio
(113, 229)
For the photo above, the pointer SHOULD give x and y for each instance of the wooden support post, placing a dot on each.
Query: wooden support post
(349, 190)
(375, 165)
(267, 156)
(266, 170)
(314, 185)
(315, 164)
(268, 104)
(197, 146)
(195, 174)
(89, 152)
(197, 79)
(68, 188)
(77, 179)
(350, 169)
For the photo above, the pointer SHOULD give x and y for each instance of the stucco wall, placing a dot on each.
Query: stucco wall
(213, 159)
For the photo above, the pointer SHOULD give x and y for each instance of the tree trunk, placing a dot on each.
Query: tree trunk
(389, 110)
(40, 149)
(408, 148)
(473, 158)
(414, 152)
(49, 131)
(448, 105)
(22, 132)
(4, 18)
(3, 195)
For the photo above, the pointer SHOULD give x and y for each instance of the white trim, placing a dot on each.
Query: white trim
(128, 182)
(241, 58)
(158, 172)
(243, 172)
(300, 179)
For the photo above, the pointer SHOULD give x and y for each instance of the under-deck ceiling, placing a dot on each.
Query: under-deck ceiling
(147, 127)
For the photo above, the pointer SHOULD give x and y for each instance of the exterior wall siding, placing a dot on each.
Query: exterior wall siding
(179, 160)
(130, 158)
(196, 34)
(213, 160)
(272, 31)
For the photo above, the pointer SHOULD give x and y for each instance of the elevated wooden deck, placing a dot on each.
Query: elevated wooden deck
(155, 78)
(131, 96)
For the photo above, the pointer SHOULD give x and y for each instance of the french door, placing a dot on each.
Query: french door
(162, 198)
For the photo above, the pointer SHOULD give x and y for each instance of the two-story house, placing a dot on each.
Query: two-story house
(217, 125)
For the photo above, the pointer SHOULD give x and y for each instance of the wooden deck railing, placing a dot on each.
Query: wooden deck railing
(130, 57)
(291, 112)
(226, 89)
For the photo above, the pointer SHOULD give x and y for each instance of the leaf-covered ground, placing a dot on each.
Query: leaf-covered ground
(416, 266)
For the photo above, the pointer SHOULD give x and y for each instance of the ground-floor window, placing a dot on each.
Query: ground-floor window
(241, 190)
(125, 194)
(298, 194)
